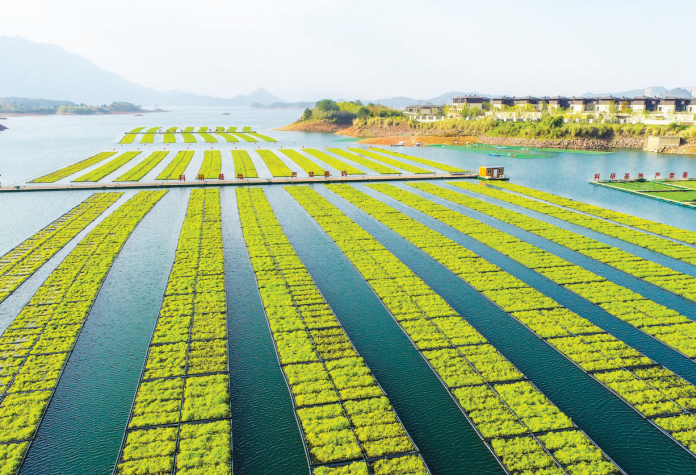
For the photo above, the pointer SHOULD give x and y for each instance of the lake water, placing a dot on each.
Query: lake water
(82, 430)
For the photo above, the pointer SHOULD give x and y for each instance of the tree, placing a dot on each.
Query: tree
(307, 114)
(364, 113)
(327, 105)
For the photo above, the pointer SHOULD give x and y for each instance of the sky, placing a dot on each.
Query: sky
(370, 49)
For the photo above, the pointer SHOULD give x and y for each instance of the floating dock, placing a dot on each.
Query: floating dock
(659, 190)
(236, 182)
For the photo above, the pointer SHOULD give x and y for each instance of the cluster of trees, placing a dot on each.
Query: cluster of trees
(347, 112)
(20, 105)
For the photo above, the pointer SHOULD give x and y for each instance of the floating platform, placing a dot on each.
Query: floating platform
(235, 182)
(660, 190)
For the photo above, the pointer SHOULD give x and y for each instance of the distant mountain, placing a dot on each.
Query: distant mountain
(659, 91)
(284, 105)
(446, 98)
(46, 71)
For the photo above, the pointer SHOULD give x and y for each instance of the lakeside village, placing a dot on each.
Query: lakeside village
(638, 110)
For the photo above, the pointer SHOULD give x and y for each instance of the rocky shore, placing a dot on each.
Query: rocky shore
(576, 143)
(314, 126)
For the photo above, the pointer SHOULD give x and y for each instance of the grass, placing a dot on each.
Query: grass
(274, 164)
(243, 164)
(143, 168)
(74, 168)
(108, 168)
(177, 166)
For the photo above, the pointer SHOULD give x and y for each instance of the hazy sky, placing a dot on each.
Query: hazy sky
(307, 49)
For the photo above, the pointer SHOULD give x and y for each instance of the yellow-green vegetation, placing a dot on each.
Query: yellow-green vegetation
(243, 164)
(177, 167)
(128, 138)
(343, 413)
(229, 138)
(143, 168)
(207, 137)
(108, 168)
(374, 166)
(169, 138)
(136, 130)
(21, 262)
(668, 326)
(274, 164)
(188, 137)
(147, 138)
(231, 129)
(202, 129)
(71, 169)
(390, 161)
(441, 166)
(246, 138)
(212, 164)
(571, 210)
(303, 162)
(188, 129)
(38, 343)
(504, 408)
(643, 384)
(152, 130)
(262, 137)
(334, 162)
(185, 377)
(246, 129)
(346, 112)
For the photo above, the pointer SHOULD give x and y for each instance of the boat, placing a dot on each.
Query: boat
(419, 144)
(400, 144)
(138, 115)
(500, 147)
(494, 154)
(225, 113)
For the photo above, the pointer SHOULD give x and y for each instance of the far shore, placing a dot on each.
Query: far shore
(36, 114)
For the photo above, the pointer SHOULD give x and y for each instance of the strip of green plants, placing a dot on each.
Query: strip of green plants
(148, 138)
(219, 129)
(246, 129)
(208, 137)
(185, 378)
(21, 262)
(38, 343)
(74, 168)
(136, 130)
(303, 162)
(128, 138)
(662, 323)
(212, 165)
(202, 129)
(243, 164)
(274, 164)
(619, 231)
(507, 411)
(108, 168)
(229, 138)
(246, 138)
(143, 168)
(177, 167)
(441, 166)
(653, 391)
(172, 130)
(374, 166)
(188, 129)
(342, 411)
(390, 161)
(152, 130)
(231, 129)
(189, 138)
(262, 137)
(334, 162)
(169, 138)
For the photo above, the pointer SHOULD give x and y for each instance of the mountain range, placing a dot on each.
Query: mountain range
(37, 70)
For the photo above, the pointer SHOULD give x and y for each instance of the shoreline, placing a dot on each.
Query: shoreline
(37, 114)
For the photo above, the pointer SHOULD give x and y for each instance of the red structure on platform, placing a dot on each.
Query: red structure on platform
(182, 177)
(612, 176)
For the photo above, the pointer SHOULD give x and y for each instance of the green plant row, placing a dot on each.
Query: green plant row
(169, 138)
(143, 168)
(172, 130)
(185, 377)
(589, 347)
(108, 168)
(246, 138)
(274, 164)
(334, 162)
(342, 411)
(202, 129)
(21, 262)
(188, 129)
(262, 137)
(476, 374)
(620, 231)
(147, 138)
(153, 130)
(219, 129)
(38, 343)
(374, 166)
(664, 324)
(441, 166)
(212, 164)
(189, 137)
(208, 137)
(136, 130)
(391, 161)
(190, 448)
(177, 166)
(246, 129)
(228, 137)
(304, 163)
(231, 129)
(74, 168)
(128, 138)
(243, 164)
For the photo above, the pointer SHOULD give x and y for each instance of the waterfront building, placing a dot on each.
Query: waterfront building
(501, 101)
(644, 103)
(425, 113)
(582, 104)
(674, 104)
(557, 102)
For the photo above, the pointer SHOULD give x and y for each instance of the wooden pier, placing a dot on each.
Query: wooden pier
(237, 182)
